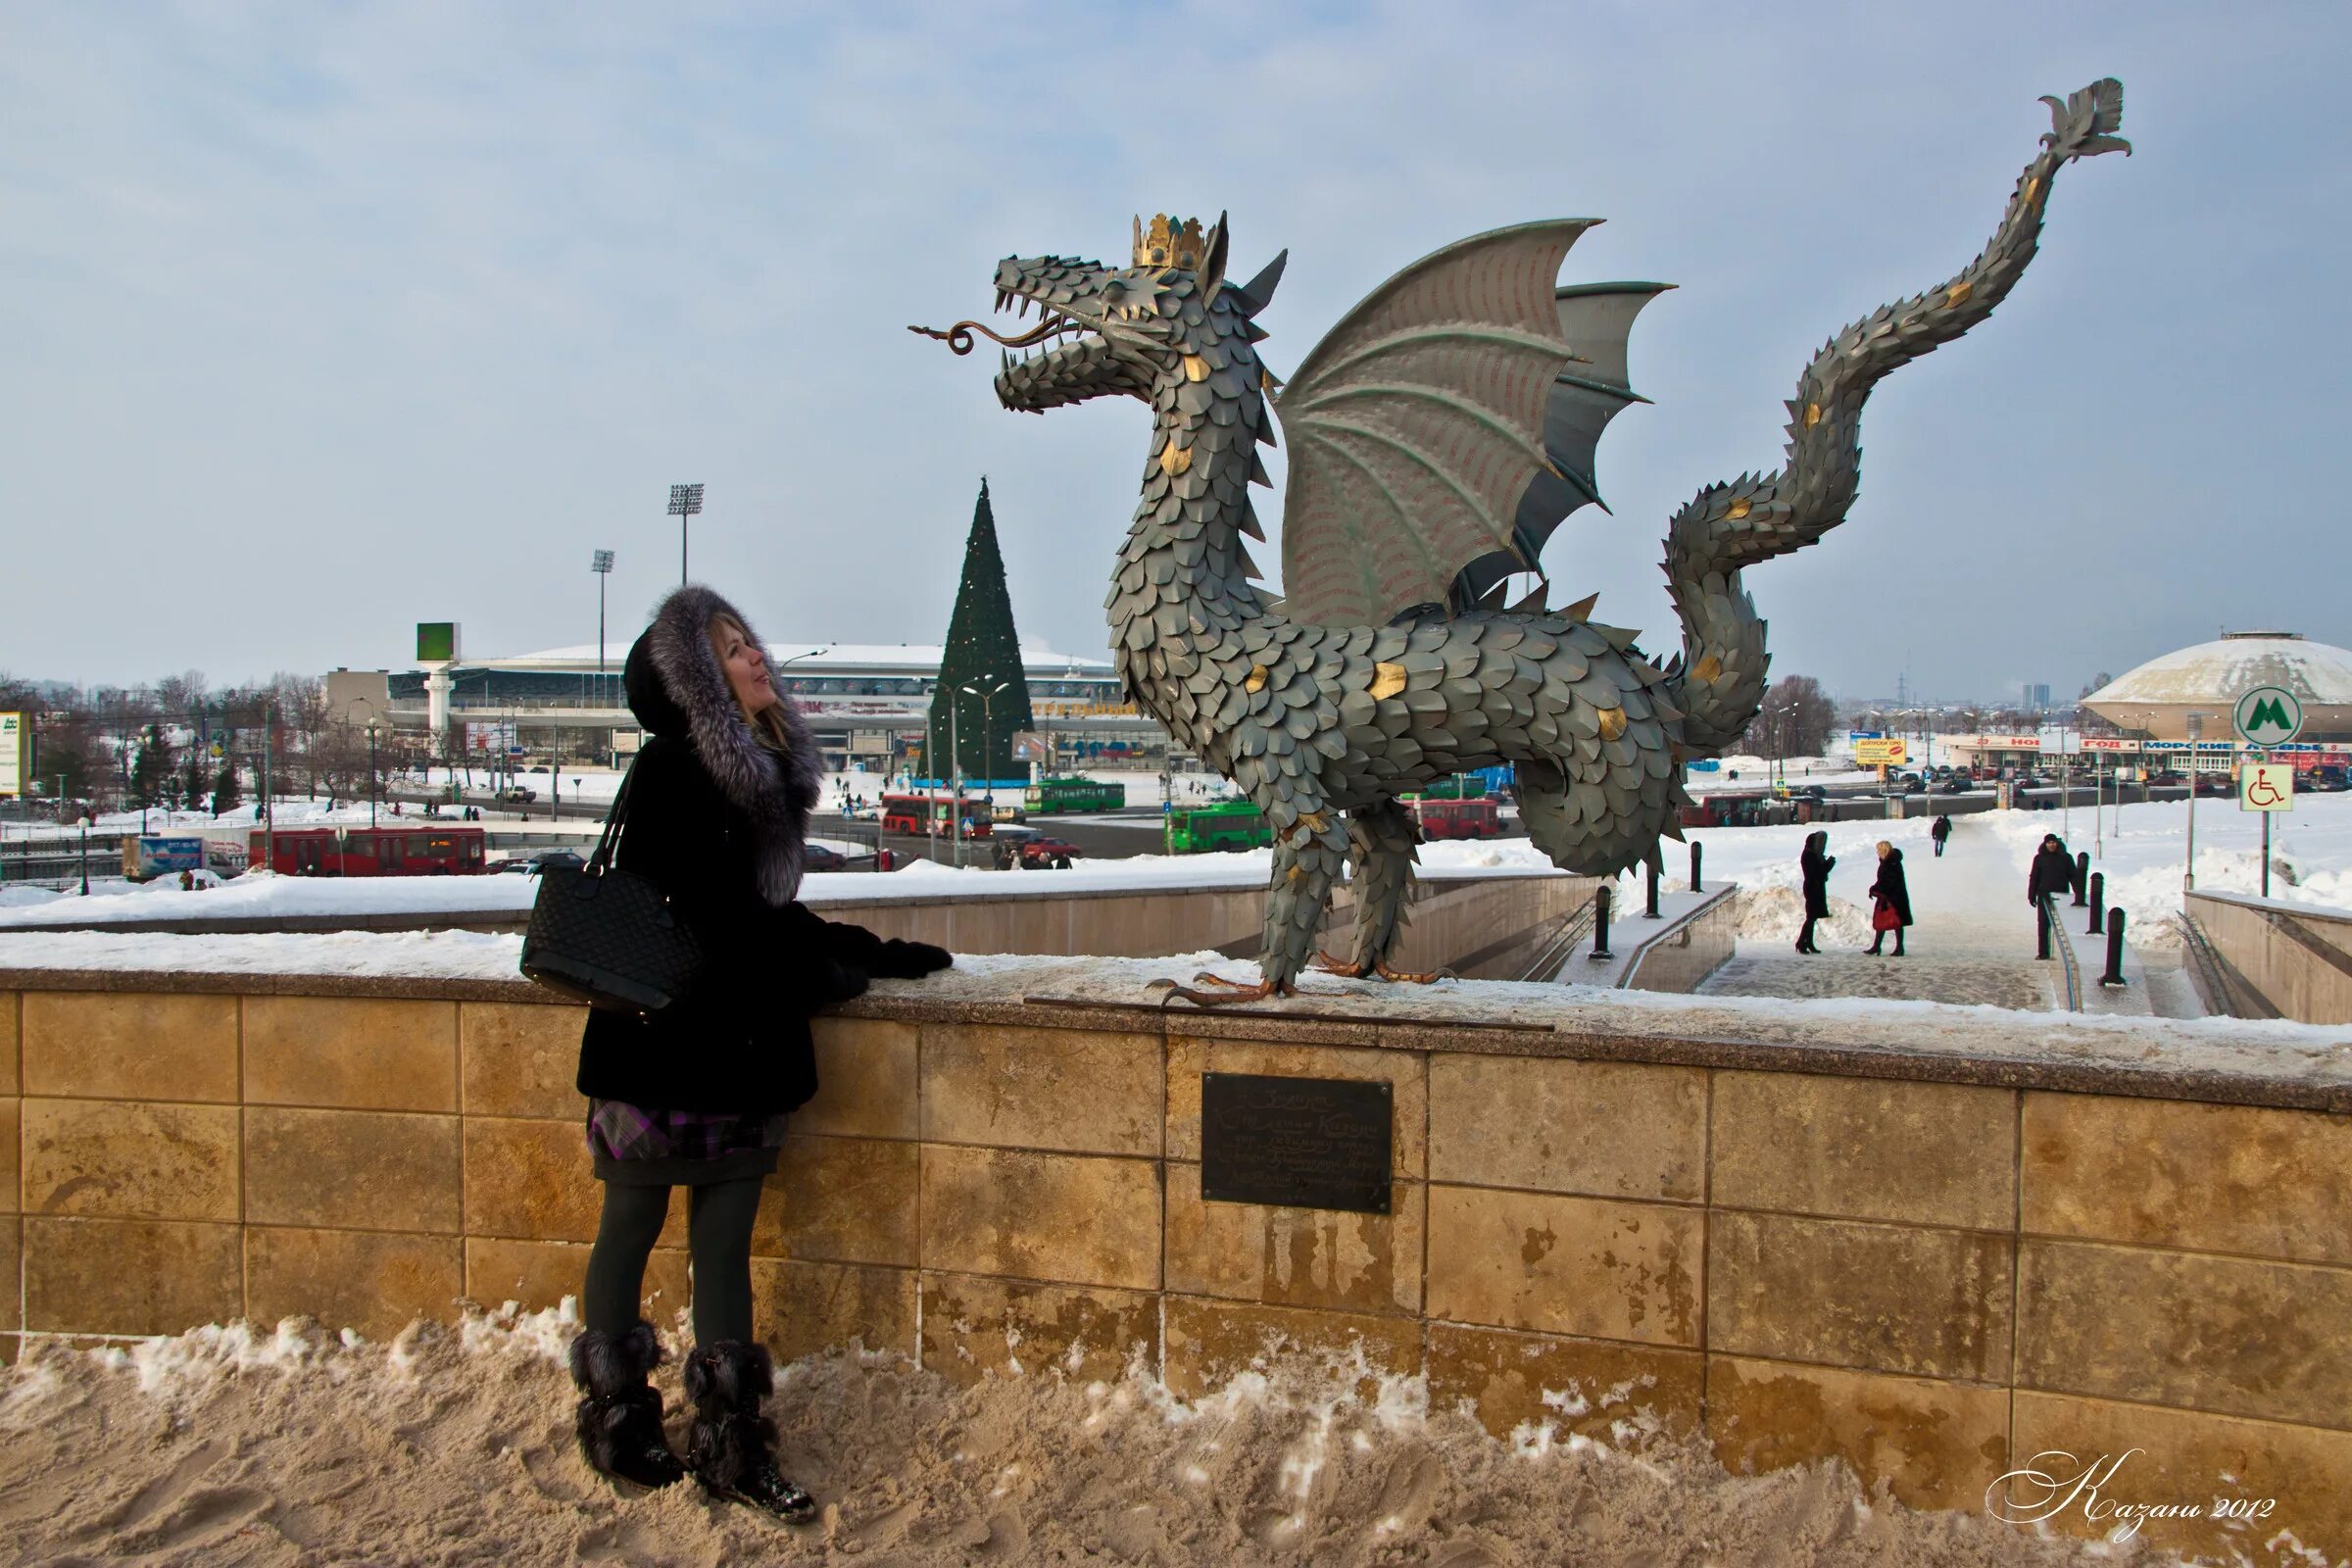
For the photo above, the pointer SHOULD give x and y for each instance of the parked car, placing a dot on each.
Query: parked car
(519, 794)
(2216, 784)
(2327, 778)
(1044, 851)
(533, 864)
(1956, 784)
(822, 857)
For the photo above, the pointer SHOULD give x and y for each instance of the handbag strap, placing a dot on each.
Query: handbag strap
(610, 842)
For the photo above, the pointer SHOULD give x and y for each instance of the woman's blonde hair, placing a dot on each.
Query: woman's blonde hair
(1884, 846)
(767, 724)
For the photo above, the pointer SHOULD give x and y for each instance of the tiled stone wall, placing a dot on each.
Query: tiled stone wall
(1935, 1280)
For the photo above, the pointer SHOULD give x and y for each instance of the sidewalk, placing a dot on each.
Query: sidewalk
(1973, 943)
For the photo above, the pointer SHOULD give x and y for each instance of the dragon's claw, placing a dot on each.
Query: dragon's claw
(1228, 993)
(1328, 964)
(1409, 978)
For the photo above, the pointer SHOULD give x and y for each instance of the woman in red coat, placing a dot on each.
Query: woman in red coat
(1889, 900)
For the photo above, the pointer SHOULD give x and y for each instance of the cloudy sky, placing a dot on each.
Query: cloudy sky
(317, 322)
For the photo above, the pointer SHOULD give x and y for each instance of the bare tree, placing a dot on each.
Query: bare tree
(1796, 721)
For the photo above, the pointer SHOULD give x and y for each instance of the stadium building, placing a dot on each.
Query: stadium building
(867, 703)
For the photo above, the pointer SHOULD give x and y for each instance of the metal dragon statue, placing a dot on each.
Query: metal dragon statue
(1438, 435)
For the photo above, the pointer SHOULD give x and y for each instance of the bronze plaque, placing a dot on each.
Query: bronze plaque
(1301, 1142)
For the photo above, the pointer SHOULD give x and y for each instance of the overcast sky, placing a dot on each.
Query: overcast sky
(317, 322)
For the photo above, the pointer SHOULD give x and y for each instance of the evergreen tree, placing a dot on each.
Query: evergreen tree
(983, 653)
(194, 786)
(227, 797)
(151, 769)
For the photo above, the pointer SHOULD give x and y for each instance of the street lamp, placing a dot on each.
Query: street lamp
(2188, 867)
(375, 724)
(85, 856)
(685, 501)
(988, 732)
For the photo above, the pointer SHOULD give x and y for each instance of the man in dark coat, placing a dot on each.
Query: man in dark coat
(1814, 866)
(2052, 876)
(1889, 900)
(1940, 832)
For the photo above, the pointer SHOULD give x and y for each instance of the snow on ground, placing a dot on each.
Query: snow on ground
(2138, 849)
(292, 1444)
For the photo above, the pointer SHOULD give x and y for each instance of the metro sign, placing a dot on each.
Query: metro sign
(2268, 715)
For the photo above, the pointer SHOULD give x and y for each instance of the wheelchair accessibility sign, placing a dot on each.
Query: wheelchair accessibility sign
(2266, 787)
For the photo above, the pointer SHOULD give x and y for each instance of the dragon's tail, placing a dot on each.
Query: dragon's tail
(1720, 682)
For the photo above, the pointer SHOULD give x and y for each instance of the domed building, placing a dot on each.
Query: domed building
(2156, 698)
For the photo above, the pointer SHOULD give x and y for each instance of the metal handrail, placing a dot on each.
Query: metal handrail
(2064, 942)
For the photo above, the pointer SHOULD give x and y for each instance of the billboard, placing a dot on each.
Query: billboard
(436, 642)
(1029, 746)
(1880, 752)
(16, 736)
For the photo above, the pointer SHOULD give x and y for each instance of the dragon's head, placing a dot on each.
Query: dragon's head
(1104, 329)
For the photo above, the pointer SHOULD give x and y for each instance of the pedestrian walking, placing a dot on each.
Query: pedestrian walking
(2051, 876)
(1814, 866)
(1889, 901)
(696, 1095)
(1940, 832)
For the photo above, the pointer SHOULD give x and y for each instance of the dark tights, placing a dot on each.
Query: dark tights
(718, 1239)
(1805, 937)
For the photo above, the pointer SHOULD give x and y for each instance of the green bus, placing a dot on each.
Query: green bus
(1054, 797)
(1227, 825)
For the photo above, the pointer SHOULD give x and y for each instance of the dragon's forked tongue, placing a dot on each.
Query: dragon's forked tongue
(959, 336)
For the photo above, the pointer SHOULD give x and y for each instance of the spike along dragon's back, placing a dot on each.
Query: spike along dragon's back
(1438, 435)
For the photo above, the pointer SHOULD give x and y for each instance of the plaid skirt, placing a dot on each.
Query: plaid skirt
(638, 1147)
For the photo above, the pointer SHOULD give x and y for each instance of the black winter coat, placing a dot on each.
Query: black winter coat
(1815, 864)
(725, 844)
(2053, 873)
(1892, 886)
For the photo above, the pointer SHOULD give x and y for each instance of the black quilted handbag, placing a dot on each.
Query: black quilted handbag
(608, 937)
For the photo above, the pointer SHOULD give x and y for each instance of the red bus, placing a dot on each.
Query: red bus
(1478, 818)
(371, 850)
(921, 814)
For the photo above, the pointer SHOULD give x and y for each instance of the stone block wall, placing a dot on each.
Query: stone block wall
(1935, 1280)
(2295, 962)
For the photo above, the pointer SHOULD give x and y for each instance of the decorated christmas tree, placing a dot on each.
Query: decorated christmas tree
(982, 697)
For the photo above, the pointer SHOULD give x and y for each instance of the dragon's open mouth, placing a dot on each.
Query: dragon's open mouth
(1053, 327)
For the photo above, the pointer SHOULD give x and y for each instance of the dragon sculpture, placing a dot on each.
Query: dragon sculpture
(1438, 435)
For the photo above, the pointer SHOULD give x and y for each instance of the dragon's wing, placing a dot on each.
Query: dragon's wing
(1596, 319)
(1420, 426)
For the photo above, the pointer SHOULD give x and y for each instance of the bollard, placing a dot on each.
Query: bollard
(1694, 866)
(1600, 924)
(1651, 873)
(2098, 901)
(2041, 927)
(2082, 877)
(2115, 950)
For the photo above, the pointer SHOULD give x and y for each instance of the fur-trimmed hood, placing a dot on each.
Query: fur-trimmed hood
(676, 689)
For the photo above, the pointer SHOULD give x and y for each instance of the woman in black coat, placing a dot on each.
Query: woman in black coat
(1814, 864)
(1889, 900)
(696, 1093)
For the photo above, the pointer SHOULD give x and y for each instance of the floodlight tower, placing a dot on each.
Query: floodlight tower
(602, 564)
(685, 501)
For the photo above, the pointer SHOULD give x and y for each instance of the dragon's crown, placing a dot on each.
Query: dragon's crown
(1168, 242)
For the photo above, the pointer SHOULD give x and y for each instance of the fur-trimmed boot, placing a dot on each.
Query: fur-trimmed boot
(621, 1419)
(732, 1449)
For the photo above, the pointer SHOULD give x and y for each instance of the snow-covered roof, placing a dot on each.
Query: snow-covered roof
(2223, 671)
(923, 658)
(2212, 676)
